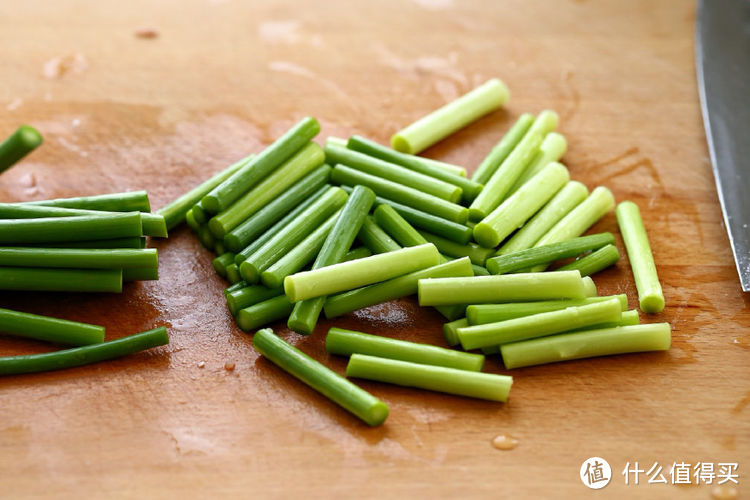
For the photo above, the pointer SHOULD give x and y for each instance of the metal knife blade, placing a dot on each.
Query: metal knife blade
(722, 52)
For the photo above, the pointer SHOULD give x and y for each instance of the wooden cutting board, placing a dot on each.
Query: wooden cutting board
(222, 79)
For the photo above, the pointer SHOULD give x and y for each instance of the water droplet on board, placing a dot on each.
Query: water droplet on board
(724, 492)
(14, 104)
(147, 33)
(279, 31)
(29, 180)
(434, 4)
(57, 67)
(504, 442)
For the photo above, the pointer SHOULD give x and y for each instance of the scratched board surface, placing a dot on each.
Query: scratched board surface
(222, 79)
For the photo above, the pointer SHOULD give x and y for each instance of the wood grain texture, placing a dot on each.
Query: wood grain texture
(222, 79)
